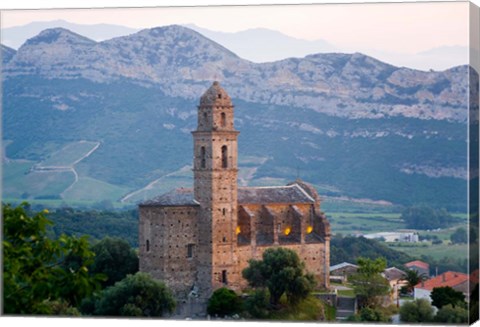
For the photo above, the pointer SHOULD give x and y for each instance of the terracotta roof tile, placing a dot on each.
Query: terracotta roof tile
(418, 263)
(449, 278)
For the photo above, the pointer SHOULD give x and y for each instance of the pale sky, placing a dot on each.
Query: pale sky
(393, 27)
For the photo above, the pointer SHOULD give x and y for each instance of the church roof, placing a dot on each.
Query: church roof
(177, 197)
(215, 95)
(292, 193)
(273, 194)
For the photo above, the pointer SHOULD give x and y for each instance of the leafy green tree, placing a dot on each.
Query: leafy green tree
(136, 295)
(224, 302)
(446, 295)
(282, 272)
(424, 217)
(419, 310)
(368, 283)
(115, 258)
(452, 315)
(38, 269)
(459, 236)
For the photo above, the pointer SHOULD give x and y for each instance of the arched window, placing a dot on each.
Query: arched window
(224, 157)
(202, 157)
(223, 119)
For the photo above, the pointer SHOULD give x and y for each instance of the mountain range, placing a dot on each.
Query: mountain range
(350, 124)
(257, 45)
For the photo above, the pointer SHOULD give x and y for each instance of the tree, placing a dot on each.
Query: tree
(368, 282)
(419, 310)
(136, 295)
(224, 302)
(452, 315)
(459, 236)
(115, 258)
(424, 217)
(37, 269)
(446, 295)
(412, 278)
(281, 271)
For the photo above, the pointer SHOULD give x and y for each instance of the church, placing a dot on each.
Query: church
(198, 240)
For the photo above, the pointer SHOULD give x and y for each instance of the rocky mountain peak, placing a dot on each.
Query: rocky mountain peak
(58, 35)
(6, 53)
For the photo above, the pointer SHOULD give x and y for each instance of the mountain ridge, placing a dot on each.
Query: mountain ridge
(181, 63)
(351, 124)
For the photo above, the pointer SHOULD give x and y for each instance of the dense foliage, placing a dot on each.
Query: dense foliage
(419, 310)
(136, 295)
(452, 315)
(97, 224)
(348, 249)
(115, 258)
(459, 236)
(424, 217)
(224, 302)
(39, 272)
(442, 296)
(281, 272)
(368, 314)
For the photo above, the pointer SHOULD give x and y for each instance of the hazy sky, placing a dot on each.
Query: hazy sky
(394, 27)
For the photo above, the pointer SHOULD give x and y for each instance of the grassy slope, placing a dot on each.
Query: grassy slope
(68, 155)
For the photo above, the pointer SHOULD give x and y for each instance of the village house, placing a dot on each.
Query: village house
(420, 267)
(456, 280)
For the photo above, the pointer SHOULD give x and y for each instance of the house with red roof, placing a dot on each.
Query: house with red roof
(419, 266)
(456, 280)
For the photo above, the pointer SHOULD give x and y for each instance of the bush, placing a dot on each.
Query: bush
(136, 295)
(452, 315)
(224, 302)
(419, 310)
(257, 304)
(370, 314)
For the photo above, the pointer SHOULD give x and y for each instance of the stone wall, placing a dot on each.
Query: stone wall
(172, 234)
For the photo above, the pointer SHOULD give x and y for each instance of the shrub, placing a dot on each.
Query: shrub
(224, 302)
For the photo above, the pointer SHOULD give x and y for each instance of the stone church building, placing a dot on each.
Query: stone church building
(197, 240)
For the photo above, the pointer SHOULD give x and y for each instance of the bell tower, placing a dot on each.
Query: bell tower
(215, 188)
